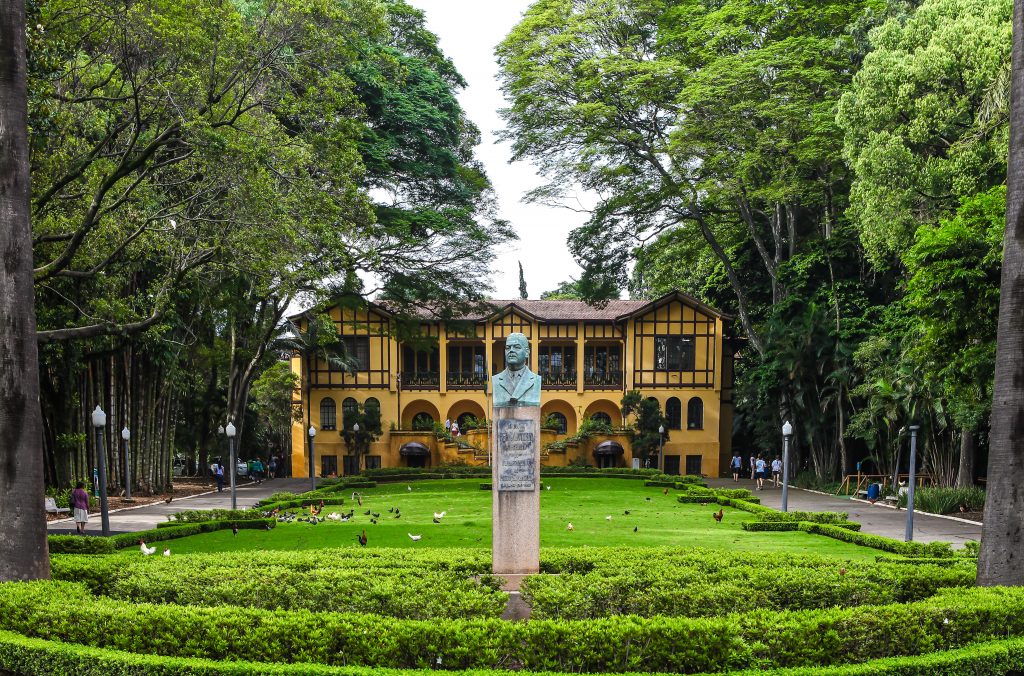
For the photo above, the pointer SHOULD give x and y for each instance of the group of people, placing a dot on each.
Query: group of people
(759, 468)
(452, 427)
(275, 468)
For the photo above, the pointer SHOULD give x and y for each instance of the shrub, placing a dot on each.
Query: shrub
(931, 549)
(946, 500)
(197, 515)
(762, 639)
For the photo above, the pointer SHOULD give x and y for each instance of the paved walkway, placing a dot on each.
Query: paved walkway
(134, 519)
(876, 519)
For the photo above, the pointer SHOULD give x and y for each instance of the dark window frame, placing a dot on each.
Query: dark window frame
(695, 414)
(328, 414)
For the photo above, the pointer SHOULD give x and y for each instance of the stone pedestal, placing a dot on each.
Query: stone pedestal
(515, 490)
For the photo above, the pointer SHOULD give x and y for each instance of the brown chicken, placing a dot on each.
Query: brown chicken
(718, 515)
(362, 539)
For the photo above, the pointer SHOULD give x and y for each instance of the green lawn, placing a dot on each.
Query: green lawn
(658, 518)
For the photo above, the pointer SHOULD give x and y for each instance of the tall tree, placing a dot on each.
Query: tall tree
(522, 283)
(23, 549)
(999, 560)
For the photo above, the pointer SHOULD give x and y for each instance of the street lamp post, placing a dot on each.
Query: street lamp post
(355, 433)
(787, 435)
(126, 435)
(661, 448)
(230, 431)
(909, 535)
(312, 470)
(99, 421)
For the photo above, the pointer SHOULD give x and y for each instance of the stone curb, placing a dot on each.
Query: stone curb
(917, 511)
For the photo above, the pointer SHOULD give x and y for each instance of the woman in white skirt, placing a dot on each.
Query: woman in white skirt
(80, 506)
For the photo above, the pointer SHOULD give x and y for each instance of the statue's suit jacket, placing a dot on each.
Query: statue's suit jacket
(527, 393)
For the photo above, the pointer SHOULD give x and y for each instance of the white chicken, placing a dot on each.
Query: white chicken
(414, 538)
(167, 552)
(439, 515)
(146, 551)
(570, 527)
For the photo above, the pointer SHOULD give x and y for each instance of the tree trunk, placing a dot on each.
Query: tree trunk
(24, 554)
(965, 471)
(1000, 560)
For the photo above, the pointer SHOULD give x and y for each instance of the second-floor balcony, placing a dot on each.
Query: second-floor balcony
(602, 380)
(466, 380)
(421, 380)
(558, 379)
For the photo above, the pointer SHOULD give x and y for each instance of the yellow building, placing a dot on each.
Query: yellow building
(674, 349)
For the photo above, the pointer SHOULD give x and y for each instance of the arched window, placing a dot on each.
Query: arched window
(422, 422)
(674, 413)
(559, 421)
(602, 417)
(467, 421)
(349, 408)
(328, 414)
(695, 414)
(372, 402)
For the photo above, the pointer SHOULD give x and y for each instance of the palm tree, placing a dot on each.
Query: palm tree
(999, 561)
(23, 549)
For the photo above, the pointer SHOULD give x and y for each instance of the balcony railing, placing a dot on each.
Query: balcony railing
(421, 380)
(466, 380)
(603, 380)
(560, 379)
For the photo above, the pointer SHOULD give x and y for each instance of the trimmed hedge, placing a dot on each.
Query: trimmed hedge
(39, 657)
(761, 639)
(208, 581)
(197, 515)
(717, 583)
(770, 525)
(77, 544)
(931, 549)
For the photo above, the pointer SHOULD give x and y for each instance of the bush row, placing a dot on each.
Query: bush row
(761, 639)
(24, 655)
(77, 544)
(698, 592)
(394, 593)
(930, 549)
(197, 515)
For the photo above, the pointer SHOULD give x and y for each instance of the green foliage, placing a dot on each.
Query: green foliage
(587, 429)
(946, 500)
(272, 393)
(931, 549)
(915, 132)
(712, 584)
(368, 419)
(644, 436)
(21, 654)
(948, 620)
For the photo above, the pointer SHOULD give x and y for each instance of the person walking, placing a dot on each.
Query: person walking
(737, 465)
(776, 470)
(219, 474)
(753, 466)
(80, 506)
(272, 467)
(760, 470)
(257, 471)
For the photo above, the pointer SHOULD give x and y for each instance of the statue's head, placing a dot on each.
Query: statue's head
(517, 351)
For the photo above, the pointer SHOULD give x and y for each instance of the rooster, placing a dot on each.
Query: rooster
(169, 498)
(718, 515)
(664, 492)
(362, 539)
(146, 551)
(439, 515)
(234, 531)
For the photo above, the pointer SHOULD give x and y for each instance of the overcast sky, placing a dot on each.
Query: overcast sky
(469, 30)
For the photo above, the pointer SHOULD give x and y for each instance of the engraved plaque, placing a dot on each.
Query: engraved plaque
(517, 455)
